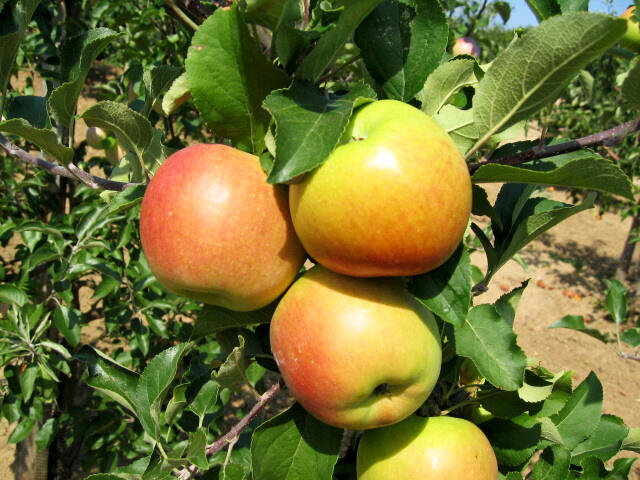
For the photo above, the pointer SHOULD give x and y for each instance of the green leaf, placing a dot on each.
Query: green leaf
(616, 301)
(46, 433)
(309, 126)
(632, 440)
(132, 130)
(482, 206)
(229, 77)
(109, 377)
(593, 468)
(459, 125)
(157, 80)
(205, 399)
(177, 403)
(568, 6)
(402, 43)
(78, 54)
(446, 291)
(196, 452)
(33, 109)
(212, 319)
(231, 373)
(127, 199)
(42, 255)
(580, 416)
(14, 21)
(12, 295)
(507, 304)
(582, 169)
(177, 94)
(504, 10)
(605, 442)
(553, 464)
(631, 337)
(44, 139)
(153, 386)
(576, 322)
(272, 14)
(544, 9)
(22, 430)
(27, 381)
(293, 444)
(446, 80)
(631, 86)
(488, 340)
(331, 42)
(513, 476)
(534, 70)
(107, 286)
(512, 443)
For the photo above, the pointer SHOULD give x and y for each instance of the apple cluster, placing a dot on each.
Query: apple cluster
(355, 349)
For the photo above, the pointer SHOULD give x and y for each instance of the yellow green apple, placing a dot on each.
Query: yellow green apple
(393, 200)
(356, 353)
(466, 46)
(434, 448)
(212, 229)
(95, 136)
(631, 39)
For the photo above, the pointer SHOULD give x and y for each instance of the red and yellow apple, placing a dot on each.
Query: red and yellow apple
(214, 230)
(631, 39)
(434, 448)
(356, 353)
(466, 46)
(393, 200)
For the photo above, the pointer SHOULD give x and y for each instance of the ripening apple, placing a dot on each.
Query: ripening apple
(356, 353)
(214, 230)
(631, 39)
(392, 200)
(466, 46)
(434, 448)
(95, 136)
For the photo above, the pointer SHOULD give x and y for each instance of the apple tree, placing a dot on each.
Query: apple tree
(118, 368)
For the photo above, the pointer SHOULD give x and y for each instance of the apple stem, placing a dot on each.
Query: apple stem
(608, 137)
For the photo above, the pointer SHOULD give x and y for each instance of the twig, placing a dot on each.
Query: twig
(70, 171)
(629, 356)
(232, 435)
(608, 137)
(475, 19)
(181, 15)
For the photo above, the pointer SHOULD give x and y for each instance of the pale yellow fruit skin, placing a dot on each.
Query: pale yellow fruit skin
(434, 448)
(394, 201)
(631, 39)
(337, 338)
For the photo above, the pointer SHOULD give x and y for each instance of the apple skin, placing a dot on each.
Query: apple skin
(631, 39)
(393, 200)
(466, 46)
(434, 448)
(212, 229)
(356, 353)
(95, 137)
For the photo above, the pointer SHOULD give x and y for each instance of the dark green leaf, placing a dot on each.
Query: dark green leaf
(488, 340)
(126, 199)
(157, 80)
(78, 54)
(631, 337)
(616, 301)
(205, 399)
(553, 464)
(446, 291)
(331, 43)
(446, 80)
(605, 442)
(507, 304)
(544, 9)
(177, 403)
(212, 319)
(293, 444)
(68, 322)
(196, 451)
(153, 386)
(231, 373)
(576, 322)
(46, 433)
(12, 295)
(24, 427)
(44, 139)
(109, 377)
(512, 443)
(631, 86)
(33, 109)
(229, 77)
(27, 380)
(402, 43)
(309, 126)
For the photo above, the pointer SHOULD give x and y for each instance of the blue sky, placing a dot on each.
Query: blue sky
(521, 13)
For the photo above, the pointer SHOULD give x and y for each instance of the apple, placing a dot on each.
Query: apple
(466, 46)
(631, 39)
(392, 200)
(95, 136)
(434, 448)
(356, 353)
(214, 230)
